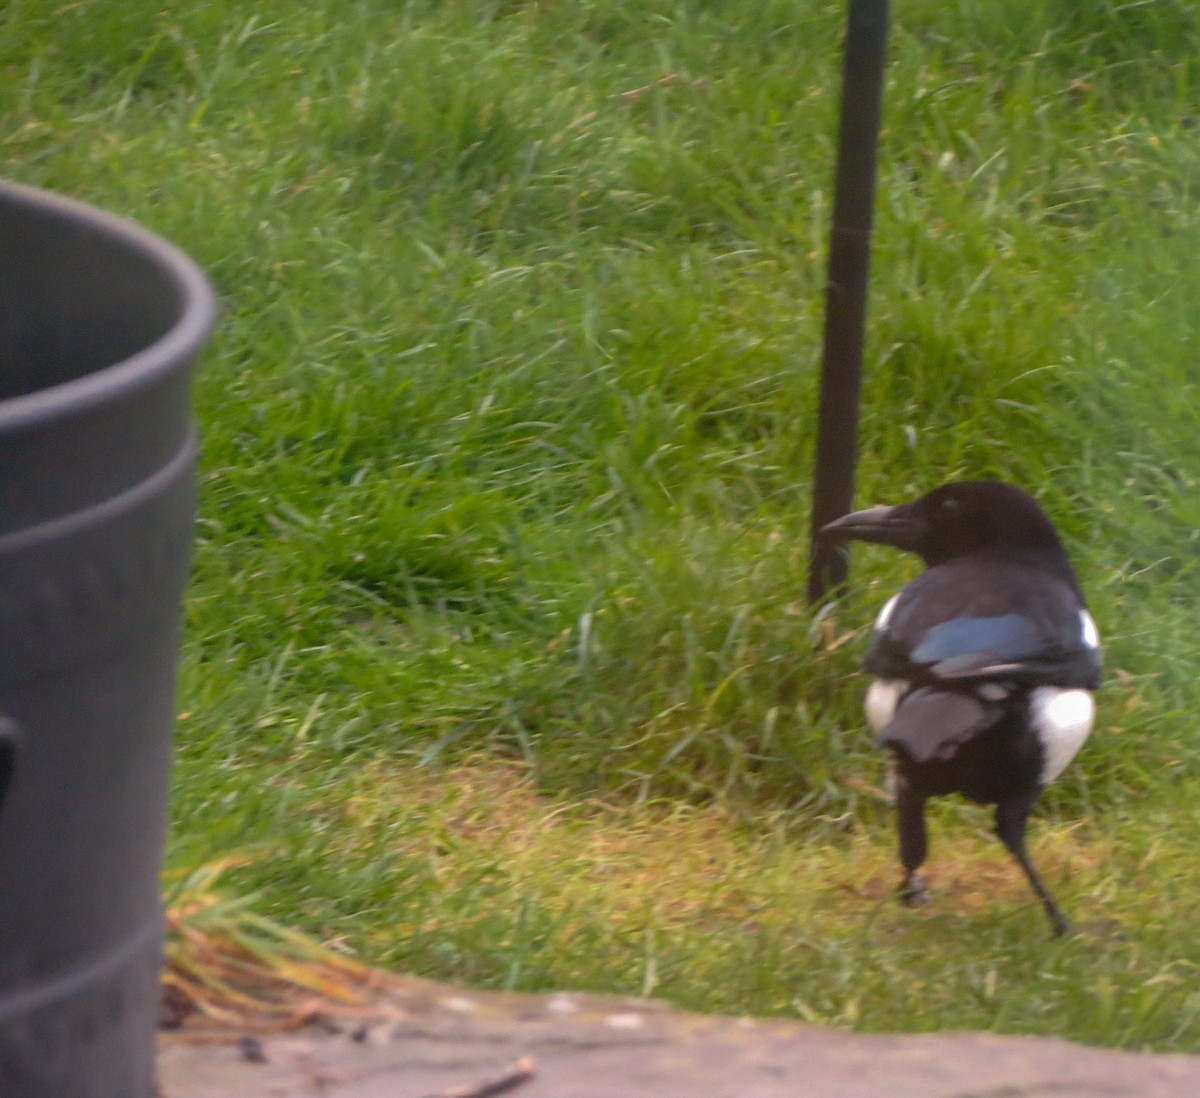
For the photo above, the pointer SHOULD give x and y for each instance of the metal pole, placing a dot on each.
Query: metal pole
(846, 290)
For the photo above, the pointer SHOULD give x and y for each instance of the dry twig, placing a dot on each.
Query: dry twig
(519, 1073)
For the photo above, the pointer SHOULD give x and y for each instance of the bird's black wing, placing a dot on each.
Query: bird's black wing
(977, 620)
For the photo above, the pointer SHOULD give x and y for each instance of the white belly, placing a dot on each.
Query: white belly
(1062, 719)
(883, 695)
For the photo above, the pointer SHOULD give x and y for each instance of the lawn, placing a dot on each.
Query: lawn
(497, 666)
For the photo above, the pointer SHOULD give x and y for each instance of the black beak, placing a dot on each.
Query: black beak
(899, 526)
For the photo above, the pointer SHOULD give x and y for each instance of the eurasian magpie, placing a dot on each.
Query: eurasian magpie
(985, 662)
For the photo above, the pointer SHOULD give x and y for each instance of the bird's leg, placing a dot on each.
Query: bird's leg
(1010, 827)
(914, 845)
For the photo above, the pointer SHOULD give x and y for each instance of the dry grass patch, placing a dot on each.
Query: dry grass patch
(666, 864)
(971, 873)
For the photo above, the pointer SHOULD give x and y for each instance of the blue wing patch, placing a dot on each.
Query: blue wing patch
(1007, 638)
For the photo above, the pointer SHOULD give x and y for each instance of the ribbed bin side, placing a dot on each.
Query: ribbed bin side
(99, 325)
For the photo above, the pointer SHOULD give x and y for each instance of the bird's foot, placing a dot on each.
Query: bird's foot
(1060, 925)
(1102, 930)
(914, 890)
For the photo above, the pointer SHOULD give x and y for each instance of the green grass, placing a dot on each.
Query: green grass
(497, 666)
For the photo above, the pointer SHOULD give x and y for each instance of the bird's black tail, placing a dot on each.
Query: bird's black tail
(931, 724)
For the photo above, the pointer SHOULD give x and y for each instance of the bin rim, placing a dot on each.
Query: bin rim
(180, 343)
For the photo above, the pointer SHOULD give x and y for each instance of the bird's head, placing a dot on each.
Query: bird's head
(955, 520)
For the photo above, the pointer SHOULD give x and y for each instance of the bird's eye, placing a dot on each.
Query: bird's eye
(949, 506)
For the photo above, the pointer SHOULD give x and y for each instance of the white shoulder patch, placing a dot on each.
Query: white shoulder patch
(883, 695)
(885, 614)
(1091, 636)
(1062, 719)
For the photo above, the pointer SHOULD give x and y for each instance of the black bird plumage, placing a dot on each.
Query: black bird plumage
(984, 662)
